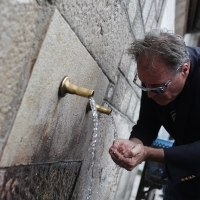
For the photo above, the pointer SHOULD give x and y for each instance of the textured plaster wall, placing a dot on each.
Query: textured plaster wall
(41, 42)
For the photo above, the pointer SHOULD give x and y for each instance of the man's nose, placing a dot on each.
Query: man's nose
(151, 94)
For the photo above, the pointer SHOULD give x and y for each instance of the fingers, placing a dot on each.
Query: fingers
(120, 160)
(115, 153)
(121, 145)
(116, 160)
(121, 163)
(116, 156)
(125, 153)
(117, 143)
(117, 149)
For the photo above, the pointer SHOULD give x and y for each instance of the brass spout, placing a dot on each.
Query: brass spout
(101, 109)
(67, 87)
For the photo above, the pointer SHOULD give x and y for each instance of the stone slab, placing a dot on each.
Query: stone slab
(103, 28)
(46, 125)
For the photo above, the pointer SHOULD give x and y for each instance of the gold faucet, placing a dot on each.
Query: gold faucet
(101, 109)
(67, 87)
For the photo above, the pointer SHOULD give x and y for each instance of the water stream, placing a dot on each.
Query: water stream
(115, 137)
(114, 126)
(94, 140)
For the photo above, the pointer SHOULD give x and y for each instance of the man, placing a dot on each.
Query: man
(170, 76)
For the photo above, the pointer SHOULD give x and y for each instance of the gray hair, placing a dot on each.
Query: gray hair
(163, 45)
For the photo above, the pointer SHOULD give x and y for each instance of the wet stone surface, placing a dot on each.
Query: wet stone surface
(42, 182)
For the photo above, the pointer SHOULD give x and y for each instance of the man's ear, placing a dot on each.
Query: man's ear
(185, 69)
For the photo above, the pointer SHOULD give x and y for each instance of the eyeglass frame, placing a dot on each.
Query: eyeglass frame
(157, 90)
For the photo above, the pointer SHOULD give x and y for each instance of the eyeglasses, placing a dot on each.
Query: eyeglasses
(157, 90)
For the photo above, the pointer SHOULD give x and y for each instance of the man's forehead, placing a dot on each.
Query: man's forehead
(152, 66)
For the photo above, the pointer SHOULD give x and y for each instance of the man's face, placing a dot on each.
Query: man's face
(158, 76)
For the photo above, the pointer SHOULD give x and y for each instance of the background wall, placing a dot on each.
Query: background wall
(45, 141)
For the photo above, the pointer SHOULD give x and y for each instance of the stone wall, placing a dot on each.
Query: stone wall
(43, 136)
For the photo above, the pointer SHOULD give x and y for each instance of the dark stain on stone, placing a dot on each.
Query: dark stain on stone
(47, 132)
(101, 31)
(42, 182)
(74, 143)
(51, 2)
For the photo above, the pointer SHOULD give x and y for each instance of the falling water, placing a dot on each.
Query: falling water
(94, 139)
(115, 137)
(114, 126)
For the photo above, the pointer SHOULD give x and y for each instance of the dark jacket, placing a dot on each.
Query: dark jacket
(183, 159)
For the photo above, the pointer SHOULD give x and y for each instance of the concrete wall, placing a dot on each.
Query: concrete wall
(45, 141)
(167, 19)
(192, 39)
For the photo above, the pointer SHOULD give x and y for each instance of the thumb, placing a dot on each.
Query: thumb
(129, 153)
(133, 152)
